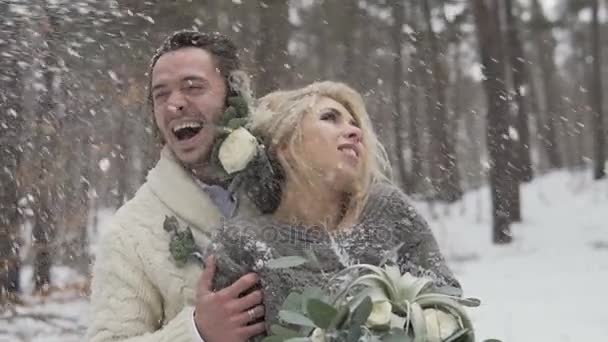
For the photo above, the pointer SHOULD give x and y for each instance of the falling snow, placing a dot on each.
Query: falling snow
(93, 95)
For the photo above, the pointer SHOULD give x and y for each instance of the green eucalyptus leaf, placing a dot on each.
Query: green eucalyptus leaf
(240, 106)
(341, 317)
(182, 246)
(285, 262)
(281, 331)
(321, 313)
(295, 318)
(237, 122)
(293, 302)
(273, 339)
(362, 312)
(310, 293)
(354, 333)
(312, 257)
(229, 114)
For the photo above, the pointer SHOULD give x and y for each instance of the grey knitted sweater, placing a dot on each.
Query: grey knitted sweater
(389, 230)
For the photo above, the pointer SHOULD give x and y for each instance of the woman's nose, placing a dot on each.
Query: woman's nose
(353, 133)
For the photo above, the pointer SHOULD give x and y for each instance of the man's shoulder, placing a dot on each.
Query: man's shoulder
(142, 212)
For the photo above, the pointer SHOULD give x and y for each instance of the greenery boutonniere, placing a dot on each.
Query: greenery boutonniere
(182, 246)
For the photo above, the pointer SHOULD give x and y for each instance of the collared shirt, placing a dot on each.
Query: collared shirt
(225, 201)
(227, 204)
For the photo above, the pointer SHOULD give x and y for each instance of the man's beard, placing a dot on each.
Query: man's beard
(209, 170)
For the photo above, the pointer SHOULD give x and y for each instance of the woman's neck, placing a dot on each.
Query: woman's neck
(311, 206)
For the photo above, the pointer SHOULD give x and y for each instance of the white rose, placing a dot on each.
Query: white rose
(439, 325)
(381, 314)
(318, 335)
(237, 150)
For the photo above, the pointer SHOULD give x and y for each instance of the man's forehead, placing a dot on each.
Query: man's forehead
(188, 52)
(185, 62)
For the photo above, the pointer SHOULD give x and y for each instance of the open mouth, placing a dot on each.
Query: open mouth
(187, 130)
(349, 150)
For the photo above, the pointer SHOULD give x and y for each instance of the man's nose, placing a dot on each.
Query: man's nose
(176, 102)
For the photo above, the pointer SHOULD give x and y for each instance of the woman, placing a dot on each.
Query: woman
(333, 201)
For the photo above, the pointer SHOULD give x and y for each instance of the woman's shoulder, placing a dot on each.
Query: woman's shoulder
(387, 196)
(389, 206)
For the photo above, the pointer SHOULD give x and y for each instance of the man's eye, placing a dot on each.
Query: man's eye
(195, 88)
(161, 95)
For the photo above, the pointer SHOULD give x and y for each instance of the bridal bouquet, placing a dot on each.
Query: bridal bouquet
(375, 304)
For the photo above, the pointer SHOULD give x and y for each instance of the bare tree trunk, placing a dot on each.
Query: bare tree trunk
(545, 45)
(518, 150)
(444, 171)
(121, 152)
(322, 41)
(518, 71)
(489, 38)
(10, 128)
(213, 7)
(398, 12)
(44, 227)
(271, 54)
(416, 88)
(599, 131)
(348, 37)
(414, 126)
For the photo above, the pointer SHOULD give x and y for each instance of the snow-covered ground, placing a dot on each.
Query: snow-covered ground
(60, 316)
(548, 285)
(551, 284)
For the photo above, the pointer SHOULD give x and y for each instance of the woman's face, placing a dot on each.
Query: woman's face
(332, 143)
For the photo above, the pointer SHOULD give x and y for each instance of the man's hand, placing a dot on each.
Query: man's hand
(222, 316)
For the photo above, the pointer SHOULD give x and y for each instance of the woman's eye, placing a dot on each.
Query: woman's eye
(329, 116)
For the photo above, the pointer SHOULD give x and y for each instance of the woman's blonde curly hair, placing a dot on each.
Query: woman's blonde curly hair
(277, 120)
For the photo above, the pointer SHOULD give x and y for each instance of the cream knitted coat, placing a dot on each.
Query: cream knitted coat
(138, 294)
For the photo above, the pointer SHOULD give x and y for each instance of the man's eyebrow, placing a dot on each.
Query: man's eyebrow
(185, 79)
(158, 86)
(195, 78)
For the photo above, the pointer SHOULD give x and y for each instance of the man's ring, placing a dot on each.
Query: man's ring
(251, 313)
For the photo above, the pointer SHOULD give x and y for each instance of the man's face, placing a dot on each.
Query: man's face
(188, 94)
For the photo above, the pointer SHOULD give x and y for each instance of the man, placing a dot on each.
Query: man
(138, 291)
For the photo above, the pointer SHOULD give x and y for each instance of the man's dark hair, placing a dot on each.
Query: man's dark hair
(221, 48)
(223, 51)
